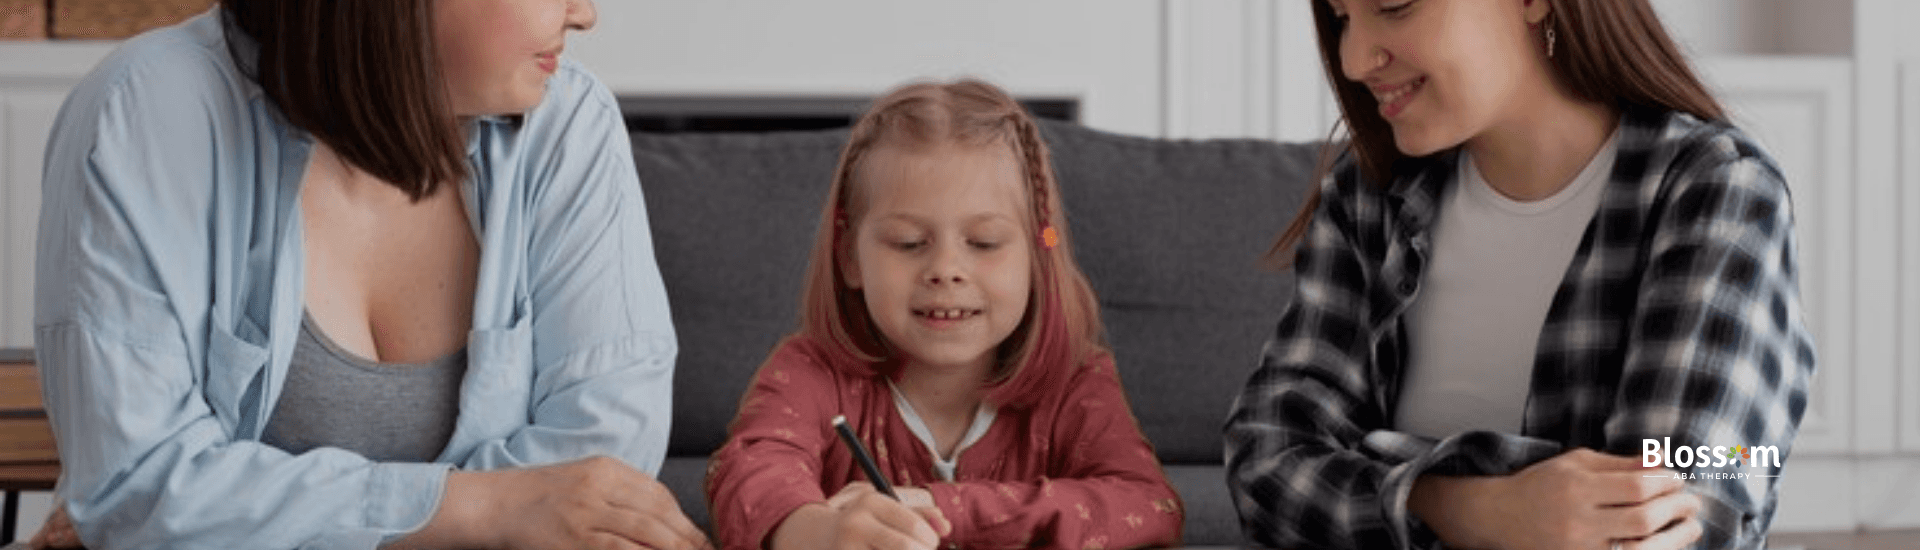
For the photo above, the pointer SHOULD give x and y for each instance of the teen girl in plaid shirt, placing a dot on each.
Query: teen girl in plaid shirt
(1669, 311)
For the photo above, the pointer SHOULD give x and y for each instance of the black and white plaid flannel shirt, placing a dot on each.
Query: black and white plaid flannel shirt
(1679, 317)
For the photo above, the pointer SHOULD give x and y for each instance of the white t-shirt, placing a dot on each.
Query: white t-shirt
(1473, 329)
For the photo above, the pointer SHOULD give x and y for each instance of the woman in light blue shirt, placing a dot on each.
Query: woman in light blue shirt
(260, 225)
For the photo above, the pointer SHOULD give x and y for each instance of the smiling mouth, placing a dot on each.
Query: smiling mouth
(946, 314)
(1394, 100)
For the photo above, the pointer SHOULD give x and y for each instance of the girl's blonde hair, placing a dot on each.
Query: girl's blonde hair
(1061, 327)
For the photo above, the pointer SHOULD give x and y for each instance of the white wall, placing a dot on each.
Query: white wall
(1104, 52)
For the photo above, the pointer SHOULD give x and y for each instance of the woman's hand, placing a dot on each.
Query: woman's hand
(599, 503)
(57, 532)
(1580, 499)
(859, 517)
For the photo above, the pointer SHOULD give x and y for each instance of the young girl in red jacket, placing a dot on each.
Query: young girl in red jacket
(945, 318)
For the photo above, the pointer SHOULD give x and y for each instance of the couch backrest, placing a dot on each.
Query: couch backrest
(1170, 232)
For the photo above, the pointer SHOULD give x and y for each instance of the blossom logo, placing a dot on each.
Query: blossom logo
(1661, 452)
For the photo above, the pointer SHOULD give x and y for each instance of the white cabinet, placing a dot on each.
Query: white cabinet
(1245, 68)
(1909, 297)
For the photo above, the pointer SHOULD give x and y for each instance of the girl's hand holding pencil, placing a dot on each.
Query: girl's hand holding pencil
(859, 516)
(915, 499)
(865, 515)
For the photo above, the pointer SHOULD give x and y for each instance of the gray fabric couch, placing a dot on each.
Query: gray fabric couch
(1171, 233)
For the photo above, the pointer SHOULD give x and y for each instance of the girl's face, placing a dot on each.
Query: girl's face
(942, 252)
(1444, 71)
(497, 54)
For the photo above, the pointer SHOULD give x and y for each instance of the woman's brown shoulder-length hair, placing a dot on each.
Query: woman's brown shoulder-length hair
(1061, 328)
(361, 76)
(1606, 51)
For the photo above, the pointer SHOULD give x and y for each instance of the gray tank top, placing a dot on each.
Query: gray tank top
(387, 412)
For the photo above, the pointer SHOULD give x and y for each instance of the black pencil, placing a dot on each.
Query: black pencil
(860, 455)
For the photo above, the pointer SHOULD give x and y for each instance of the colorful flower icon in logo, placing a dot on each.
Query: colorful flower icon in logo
(1740, 452)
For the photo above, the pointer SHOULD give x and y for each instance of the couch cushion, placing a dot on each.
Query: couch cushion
(733, 219)
(686, 478)
(1172, 234)
(1211, 519)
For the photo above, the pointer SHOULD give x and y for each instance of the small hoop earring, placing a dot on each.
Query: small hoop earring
(1550, 37)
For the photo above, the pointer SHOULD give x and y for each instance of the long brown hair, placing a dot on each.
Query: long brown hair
(361, 76)
(1061, 327)
(1613, 52)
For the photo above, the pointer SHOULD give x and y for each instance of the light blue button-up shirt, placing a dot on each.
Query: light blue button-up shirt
(169, 294)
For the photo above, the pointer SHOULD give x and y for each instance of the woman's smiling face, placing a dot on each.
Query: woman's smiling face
(1442, 71)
